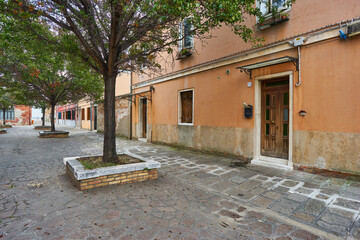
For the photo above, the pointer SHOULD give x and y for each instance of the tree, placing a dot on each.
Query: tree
(117, 35)
(40, 73)
(6, 102)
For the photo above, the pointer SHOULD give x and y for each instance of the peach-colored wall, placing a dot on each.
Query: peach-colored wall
(122, 84)
(330, 87)
(305, 16)
(329, 92)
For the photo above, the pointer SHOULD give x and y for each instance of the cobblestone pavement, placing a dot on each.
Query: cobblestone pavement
(197, 196)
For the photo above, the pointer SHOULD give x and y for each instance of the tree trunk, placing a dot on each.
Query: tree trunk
(4, 111)
(110, 154)
(52, 117)
(43, 116)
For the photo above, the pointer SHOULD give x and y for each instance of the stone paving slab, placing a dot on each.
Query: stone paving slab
(197, 196)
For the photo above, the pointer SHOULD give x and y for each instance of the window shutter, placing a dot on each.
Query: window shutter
(180, 35)
(186, 105)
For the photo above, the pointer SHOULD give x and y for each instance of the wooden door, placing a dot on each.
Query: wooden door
(275, 118)
(144, 117)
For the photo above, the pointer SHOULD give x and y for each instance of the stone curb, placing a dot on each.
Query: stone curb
(81, 173)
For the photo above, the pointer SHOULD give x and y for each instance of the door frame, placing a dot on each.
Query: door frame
(258, 158)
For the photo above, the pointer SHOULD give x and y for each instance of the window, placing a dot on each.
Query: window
(68, 115)
(73, 114)
(59, 115)
(186, 103)
(185, 34)
(88, 114)
(83, 114)
(9, 114)
(267, 7)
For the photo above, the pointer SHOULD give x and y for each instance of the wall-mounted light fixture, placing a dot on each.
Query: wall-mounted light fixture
(302, 113)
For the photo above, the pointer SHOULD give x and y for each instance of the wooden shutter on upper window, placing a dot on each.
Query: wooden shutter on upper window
(186, 106)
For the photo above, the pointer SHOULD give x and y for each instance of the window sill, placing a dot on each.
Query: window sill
(272, 21)
(185, 52)
(186, 124)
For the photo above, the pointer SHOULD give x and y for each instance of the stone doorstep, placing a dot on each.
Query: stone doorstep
(121, 174)
(53, 134)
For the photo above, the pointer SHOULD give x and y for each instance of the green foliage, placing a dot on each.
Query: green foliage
(39, 71)
(127, 34)
(6, 99)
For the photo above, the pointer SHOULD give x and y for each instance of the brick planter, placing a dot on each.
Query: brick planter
(57, 134)
(42, 128)
(5, 126)
(3, 131)
(121, 174)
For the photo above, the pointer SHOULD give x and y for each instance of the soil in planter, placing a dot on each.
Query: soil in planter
(96, 161)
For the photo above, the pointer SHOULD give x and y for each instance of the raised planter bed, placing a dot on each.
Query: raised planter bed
(57, 134)
(5, 126)
(3, 131)
(120, 174)
(42, 128)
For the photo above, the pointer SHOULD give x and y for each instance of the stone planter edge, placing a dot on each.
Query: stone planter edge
(80, 173)
(60, 134)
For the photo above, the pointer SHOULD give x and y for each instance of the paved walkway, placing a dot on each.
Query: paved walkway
(197, 196)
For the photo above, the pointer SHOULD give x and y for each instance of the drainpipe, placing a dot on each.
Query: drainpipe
(131, 80)
(299, 65)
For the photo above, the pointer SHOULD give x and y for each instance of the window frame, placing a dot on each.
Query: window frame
(9, 114)
(268, 15)
(182, 37)
(180, 107)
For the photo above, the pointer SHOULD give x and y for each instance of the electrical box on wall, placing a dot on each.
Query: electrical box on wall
(298, 41)
(248, 111)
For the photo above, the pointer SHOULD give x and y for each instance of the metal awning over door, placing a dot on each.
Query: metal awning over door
(248, 68)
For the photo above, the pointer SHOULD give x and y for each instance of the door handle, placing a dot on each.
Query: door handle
(273, 122)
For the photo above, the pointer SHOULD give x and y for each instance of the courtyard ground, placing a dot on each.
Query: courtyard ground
(197, 196)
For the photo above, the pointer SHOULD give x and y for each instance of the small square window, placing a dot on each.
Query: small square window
(186, 103)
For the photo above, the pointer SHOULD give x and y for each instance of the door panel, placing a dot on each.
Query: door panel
(275, 119)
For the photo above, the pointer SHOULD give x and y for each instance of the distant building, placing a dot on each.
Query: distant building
(90, 115)
(17, 116)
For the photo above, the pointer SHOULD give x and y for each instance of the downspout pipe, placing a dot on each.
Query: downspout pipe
(131, 80)
(299, 68)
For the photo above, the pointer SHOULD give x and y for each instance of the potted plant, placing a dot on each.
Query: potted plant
(185, 52)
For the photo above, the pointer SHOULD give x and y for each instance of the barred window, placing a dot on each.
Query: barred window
(9, 114)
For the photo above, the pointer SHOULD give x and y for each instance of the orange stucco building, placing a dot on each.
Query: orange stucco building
(300, 92)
